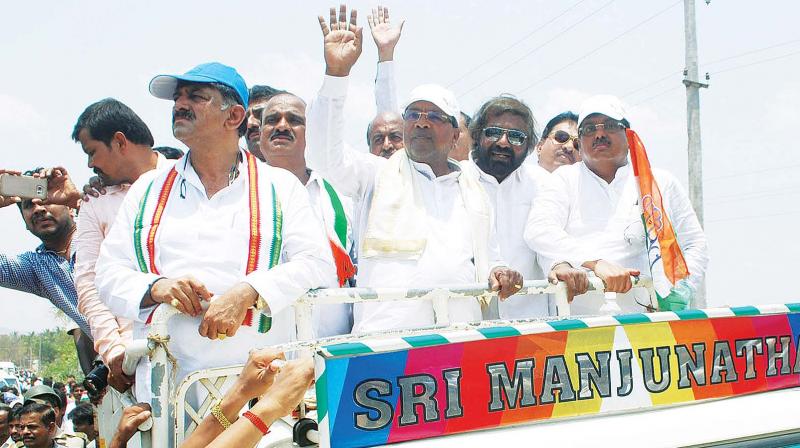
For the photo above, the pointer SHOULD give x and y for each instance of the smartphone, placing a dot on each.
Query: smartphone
(26, 187)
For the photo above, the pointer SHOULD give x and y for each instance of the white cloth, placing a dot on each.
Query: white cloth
(334, 319)
(580, 217)
(511, 203)
(208, 239)
(448, 255)
(385, 88)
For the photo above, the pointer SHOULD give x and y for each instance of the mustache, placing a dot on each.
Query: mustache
(182, 113)
(253, 130)
(601, 141)
(276, 133)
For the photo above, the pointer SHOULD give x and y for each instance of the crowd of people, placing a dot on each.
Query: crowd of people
(231, 236)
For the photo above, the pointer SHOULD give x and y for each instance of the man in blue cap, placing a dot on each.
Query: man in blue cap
(219, 227)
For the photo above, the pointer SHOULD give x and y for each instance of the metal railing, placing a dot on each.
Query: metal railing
(214, 380)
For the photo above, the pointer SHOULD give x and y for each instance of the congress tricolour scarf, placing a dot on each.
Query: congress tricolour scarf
(667, 264)
(337, 236)
(146, 249)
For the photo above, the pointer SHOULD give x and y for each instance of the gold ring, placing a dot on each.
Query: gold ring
(175, 302)
(221, 336)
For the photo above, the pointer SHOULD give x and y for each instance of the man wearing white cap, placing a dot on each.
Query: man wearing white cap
(218, 227)
(590, 215)
(421, 223)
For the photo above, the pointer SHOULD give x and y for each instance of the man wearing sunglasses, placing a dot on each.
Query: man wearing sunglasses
(259, 95)
(590, 215)
(421, 222)
(559, 144)
(503, 132)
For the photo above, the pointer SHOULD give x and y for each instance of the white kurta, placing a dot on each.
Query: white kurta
(448, 255)
(580, 217)
(511, 202)
(208, 239)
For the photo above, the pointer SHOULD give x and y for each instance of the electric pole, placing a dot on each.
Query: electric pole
(695, 152)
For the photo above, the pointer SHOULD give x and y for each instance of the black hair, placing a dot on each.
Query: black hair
(169, 152)
(48, 415)
(501, 105)
(467, 119)
(14, 414)
(259, 92)
(108, 116)
(563, 116)
(83, 414)
(6, 408)
(61, 396)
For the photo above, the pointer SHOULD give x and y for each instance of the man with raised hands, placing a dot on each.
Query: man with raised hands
(420, 221)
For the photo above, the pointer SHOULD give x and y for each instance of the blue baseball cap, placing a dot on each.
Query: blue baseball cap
(163, 86)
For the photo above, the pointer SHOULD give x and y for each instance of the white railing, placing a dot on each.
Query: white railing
(215, 381)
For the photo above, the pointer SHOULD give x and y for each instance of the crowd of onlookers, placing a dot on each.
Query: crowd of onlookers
(46, 414)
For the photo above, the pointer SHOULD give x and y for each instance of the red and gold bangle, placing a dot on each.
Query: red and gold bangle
(257, 422)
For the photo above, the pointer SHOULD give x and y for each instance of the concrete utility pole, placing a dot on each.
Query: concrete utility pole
(693, 85)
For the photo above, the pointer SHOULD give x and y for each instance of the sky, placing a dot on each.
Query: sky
(59, 57)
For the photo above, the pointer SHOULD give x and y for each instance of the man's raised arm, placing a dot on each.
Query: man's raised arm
(386, 37)
(349, 171)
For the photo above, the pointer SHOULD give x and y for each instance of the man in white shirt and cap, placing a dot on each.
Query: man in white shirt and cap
(218, 227)
(421, 222)
(590, 215)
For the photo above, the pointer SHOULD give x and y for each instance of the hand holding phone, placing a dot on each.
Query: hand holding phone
(14, 187)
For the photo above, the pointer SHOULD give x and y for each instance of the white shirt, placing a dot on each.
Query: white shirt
(511, 202)
(334, 319)
(448, 255)
(580, 217)
(208, 239)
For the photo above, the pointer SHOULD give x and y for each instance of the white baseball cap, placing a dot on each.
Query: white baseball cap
(608, 105)
(438, 95)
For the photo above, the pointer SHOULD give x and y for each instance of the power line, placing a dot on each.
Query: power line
(536, 30)
(757, 50)
(714, 62)
(557, 36)
(650, 98)
(756, 62)
(617, 37)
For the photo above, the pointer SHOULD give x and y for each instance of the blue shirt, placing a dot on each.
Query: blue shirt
(46, 274)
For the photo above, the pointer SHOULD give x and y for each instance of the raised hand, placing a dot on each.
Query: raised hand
(343, 42)
(384, 34)
(60, 189)
(8, 200)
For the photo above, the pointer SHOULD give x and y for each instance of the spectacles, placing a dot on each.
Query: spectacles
(562, 137)
(608, 126)
(515, 137)
(432, 116)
